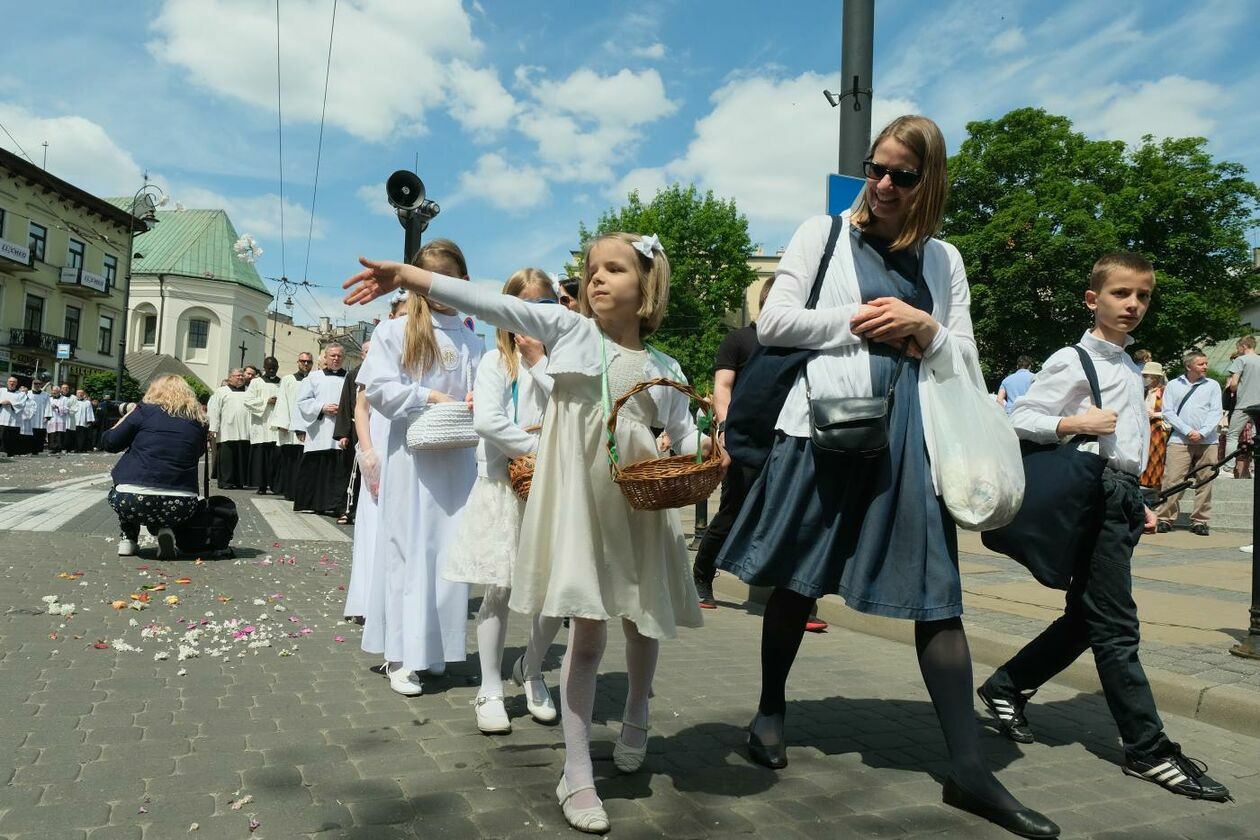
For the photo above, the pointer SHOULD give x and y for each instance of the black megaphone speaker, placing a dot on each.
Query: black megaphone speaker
(404, 190)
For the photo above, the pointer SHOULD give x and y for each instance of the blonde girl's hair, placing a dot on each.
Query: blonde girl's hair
(653, 282)
(420, 347)
(174, 396)
(927, 198)
(526, 278)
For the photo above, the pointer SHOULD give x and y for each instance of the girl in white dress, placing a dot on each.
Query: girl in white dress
(415, 617)
(510, 396)
(584, 552)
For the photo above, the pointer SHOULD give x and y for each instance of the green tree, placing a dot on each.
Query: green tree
(103, 382)
(1033, 203)
(706, 240)
(199, 388)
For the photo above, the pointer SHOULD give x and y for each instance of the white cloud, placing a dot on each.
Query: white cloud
(1008, 41)
(388, 60)
(79, 151)
(654, 52)
(373, 197)
(478, 101)
(1173, 106)
(258, 215)
(507, 187)
(769, 144)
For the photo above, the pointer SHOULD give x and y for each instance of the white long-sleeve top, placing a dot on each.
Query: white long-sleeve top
(37, 407)
(12, 407)
(227, 415)
(284, 415)
(318, 390)
(83, 412)
(1202, 410)
(500, 420)
(573, 346)
(1061, 390)
(841, 365)
(258, 398)
(397, 393)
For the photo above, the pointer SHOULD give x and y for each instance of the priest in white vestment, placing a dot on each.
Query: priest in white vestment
(260, 399)
(12, 409)
(229, 419)
(83, 416)
(37, 407)
(290, 430)
(325, 469)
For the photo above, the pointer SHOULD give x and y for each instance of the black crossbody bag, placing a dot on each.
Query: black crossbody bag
(1062, 506)
(855, 427)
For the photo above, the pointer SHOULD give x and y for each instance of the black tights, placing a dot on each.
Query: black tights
(944, 661)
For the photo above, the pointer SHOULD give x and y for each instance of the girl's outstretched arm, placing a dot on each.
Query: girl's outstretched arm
(382, 277)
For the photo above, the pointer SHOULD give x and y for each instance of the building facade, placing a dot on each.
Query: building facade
(292, 339)
(193, 299)
(63, 260)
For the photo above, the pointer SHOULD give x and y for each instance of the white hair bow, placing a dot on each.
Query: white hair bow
(649, 246)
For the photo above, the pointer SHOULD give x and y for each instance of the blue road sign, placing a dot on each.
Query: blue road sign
(842, 191)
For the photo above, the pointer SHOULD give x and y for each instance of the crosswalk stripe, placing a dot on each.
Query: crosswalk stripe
(288, 525)
(49, 510)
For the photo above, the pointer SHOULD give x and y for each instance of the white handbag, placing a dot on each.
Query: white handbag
(447, 425)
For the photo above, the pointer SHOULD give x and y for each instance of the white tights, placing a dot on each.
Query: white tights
(492, 635)
(587, 639)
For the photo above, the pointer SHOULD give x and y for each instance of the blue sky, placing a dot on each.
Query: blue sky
(527, 120)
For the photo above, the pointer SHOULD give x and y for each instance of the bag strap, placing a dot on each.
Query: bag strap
(1091, 374)
(1188, 395)
(205, 471)
(837, 222)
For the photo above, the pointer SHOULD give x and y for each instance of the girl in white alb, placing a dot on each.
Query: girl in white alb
(584, 552)
(415, 617)
(510, 396)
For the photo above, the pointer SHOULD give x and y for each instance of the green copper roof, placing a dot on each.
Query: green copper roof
(193, 243)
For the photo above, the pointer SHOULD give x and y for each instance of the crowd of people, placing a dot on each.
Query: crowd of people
(53, 419)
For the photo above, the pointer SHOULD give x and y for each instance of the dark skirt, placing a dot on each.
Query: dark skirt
(264, 465)
(233, 464)
(290, 459)
(322, 480)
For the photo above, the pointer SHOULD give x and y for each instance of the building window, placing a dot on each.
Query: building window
(75, 254)
(106, 335)
(73, 316)
(198, 333)
(34, 321)
(111, 271)
(38, 241)
(150, 331)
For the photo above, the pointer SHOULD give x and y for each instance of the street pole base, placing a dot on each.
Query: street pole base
(1249, 648)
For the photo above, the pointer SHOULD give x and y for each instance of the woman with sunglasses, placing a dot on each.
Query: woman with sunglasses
(510, 395)
(893, 303)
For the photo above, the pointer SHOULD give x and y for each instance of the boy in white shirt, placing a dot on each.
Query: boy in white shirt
(1100, 612)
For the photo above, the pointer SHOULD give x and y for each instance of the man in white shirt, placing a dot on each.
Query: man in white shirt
(1244, 381)
(12, 407)
(229, 420)
(290, 430)
(324, 472)
(1192, 406)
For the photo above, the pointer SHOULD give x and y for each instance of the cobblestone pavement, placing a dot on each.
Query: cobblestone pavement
(273, 709)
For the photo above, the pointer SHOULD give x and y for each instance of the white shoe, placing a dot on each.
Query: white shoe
(492, 717)
(403, 681)
(591, 820)
(166, 544)
(127, 548)
(626, 758)
(537, 697)
(1245, 549)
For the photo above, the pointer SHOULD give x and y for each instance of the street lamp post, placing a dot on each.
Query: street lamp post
(150, 219)
(1249, 647)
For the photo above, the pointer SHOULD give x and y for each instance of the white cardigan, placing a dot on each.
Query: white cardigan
(841, 367)
(500, 423)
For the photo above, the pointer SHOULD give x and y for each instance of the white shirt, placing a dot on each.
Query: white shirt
(500, 420)
(258, 401)
(284, 414)
(318, 390)
(574, 345)
(83, 412)
(12, 407)
(1202, 411)
(228, 417)
(1061, 390)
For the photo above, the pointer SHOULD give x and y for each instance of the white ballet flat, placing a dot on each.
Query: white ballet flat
(626, 758)
(543, 711)
(591, 820)
(492, 717)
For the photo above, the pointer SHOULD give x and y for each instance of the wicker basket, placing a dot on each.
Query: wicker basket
(447, 425)
(521, 470)
(661, 483)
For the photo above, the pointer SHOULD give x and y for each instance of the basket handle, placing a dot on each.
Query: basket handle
(715, 451)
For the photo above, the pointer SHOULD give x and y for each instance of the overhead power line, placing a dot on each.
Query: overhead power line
(319, 149)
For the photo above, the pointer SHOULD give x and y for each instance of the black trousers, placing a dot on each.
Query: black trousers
(12, 437)
(1100, 615)
(56, 441)
(40, 437)
(735, 486)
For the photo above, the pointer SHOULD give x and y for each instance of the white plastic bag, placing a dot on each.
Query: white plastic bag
(977, 450)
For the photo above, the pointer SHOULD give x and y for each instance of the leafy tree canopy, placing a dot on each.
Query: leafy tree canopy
(706, 241)
(102, 382)
(1033, 203)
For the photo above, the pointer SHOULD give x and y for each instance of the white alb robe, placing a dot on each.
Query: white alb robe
(258, 398)
(282, 414)
(55, 414)
(228, 415)
(367, 526)
(318, 390)
(83, 412)
(71, 402)
(13, 407)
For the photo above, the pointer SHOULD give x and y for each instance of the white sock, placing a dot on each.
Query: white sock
(542, 632)
(641, 655)
(491, 636)
(587, 639)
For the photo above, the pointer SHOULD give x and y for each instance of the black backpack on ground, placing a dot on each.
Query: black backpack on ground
(210, 529)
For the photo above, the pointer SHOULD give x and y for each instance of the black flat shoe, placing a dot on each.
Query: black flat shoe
(1025, 822)
(773, 756)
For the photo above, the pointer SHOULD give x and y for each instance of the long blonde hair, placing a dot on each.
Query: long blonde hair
(420, 347)
(927, 198)
(525, 278)
(174, 396)
(653, 282)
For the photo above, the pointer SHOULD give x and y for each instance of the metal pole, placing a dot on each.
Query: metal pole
(856, 60)
(122, 332)
(414, 226)
(1249, 648)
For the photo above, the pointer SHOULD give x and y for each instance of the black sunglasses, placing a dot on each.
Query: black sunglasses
(899, 177)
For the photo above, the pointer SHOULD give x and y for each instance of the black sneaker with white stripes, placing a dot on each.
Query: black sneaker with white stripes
(1009, 711)
(1178, 773)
